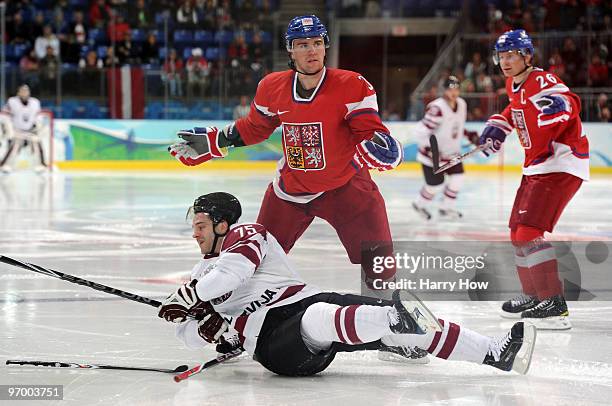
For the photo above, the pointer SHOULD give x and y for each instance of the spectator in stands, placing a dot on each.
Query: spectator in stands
(238, 48)
(242, 109)
(236, 76)
(111, 59)
(90, 71)
(483, 81)
(527, 22)
(73, 38)
(224, 15)
(372, 9)
(172, 74)
(118, 28)
(99, 13)
(598, 72)
(206, 10)
(18, 31)
(556, 65)
(476, 114)
(28, 68)
(186, 16)
(48, 39)
(391, 113)
(78, 29)
(150, 50)
(127, 52)
(60, 26)
(573, 62)
(265, 21)
(198, 73)
(247, 14)
(257, 51)
(603, 108)
(91, 62)
(38, 25)
(429, 96)
(139, 15)
(474, 66)
(48, 70)
(487, 100)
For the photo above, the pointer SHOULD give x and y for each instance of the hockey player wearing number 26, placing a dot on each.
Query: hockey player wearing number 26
(332, 135)
(546, 116)
(245, 282)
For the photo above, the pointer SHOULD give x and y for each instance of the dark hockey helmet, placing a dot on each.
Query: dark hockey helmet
(219, 206)
(452, 83)
(306, 26)
(515, 40)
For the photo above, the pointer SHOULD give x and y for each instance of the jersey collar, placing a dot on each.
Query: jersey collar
(296, 96)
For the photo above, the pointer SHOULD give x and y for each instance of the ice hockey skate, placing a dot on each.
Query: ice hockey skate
(513, 351)
(549, 314)
(423, 212)
(450, 214)
(403, 354)
(512, 309)
(413, 317)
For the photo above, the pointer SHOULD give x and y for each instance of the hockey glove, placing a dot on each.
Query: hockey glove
(182, 303)
(212, 326)
(200, 144)
(554, 108)
(383, 153)
(495, 132)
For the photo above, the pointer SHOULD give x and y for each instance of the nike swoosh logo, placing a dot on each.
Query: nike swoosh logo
(522, 211)
(278, 112)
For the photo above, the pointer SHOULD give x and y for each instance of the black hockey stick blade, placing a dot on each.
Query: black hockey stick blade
(79, 281)
(58, 364)
(199, 368)
(435, 152)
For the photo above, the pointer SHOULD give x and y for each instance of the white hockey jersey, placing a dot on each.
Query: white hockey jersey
(23, 115)
(446, 124)
(250, 276)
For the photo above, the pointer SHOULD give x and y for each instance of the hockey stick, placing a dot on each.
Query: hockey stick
(79, 281)
(57, 364)
(460, 158)
(199, 368)
(435, 152)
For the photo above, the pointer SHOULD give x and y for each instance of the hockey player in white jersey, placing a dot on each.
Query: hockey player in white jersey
(445, 118)
(23, 109)
(245, 282)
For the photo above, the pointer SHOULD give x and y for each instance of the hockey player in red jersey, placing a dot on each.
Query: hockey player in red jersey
(245, 282)
(332, 135)
(445, 119)
(546, 116)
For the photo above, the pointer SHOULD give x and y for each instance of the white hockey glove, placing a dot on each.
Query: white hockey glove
(200, 144)
(183, 303)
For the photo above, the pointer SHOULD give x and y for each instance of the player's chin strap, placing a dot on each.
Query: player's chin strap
(217, 236)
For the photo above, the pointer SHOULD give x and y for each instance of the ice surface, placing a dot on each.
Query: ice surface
(127, 230)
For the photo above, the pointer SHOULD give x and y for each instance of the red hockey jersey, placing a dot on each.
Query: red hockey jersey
(319, 133)
(552, 144)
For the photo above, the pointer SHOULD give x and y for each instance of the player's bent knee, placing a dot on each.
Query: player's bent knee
(318, 321)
